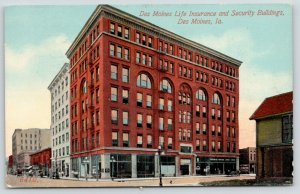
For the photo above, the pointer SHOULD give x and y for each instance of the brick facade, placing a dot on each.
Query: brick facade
(135, 86)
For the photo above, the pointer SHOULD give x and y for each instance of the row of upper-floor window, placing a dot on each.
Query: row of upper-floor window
(84, 125)
(60, 88)
(86, 143)
(60, 114)
(61, 139)
(30, 148)
(147, 40)
(56, 105)
(28, 135)
(29, 141)
(64, 151)
(60, 127)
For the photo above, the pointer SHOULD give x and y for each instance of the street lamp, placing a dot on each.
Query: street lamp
(112, 167)
(160, 175)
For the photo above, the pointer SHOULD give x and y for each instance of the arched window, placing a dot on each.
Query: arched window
(143, 81)
(84, 87)
(200, 95)
(216, 99)
(165, 86)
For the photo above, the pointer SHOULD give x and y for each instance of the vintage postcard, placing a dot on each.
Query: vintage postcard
(148, 95)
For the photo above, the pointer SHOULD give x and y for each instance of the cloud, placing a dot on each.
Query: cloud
(29, 71)
(256, 82)
(28, 56)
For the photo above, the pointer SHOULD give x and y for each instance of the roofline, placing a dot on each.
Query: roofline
(65, 66)
(268, 116)
(40, 151)
(253, 115)
(146, 24)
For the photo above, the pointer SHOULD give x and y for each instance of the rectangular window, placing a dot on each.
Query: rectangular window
(213, 130)
(149, 121)
(150, 61)
(139, 120)
(170, 124)
(144, 39)
(125, 118)
(161, 141)
(149, 141)
(125, 140)
(204, 111)
(119, 52)
(204, 144)
(138, 37)
(126, 33)
(198, 145)
(198, 110)
(120, 31)
(114, 72)
(219, 130)
(287, 128)
(112, 28)
(204, 128)
(138, 57)
(150, 41)
(149, 101)
(228, 146)
(126, 54)
(219, 114)
(171, 50)
(213, 146)
(125, 96)
(170, 105)
(115, 139)
(125, 75)
(170, 142)
(197, 128)
(161, 123)
(161, 103)
(114, 94)
(213, 113)
(219, 146)
(114, 116)
(139, 141)
(112, 50)
(139, 99)
(144, 59)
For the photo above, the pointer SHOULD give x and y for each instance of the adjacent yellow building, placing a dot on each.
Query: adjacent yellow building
(274, 134)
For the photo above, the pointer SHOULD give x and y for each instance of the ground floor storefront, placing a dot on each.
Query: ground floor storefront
(61, 166)
(120, 165)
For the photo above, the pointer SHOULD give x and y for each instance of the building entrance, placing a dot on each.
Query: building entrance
(185, 166)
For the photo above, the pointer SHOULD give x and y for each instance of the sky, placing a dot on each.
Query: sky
(37, 38)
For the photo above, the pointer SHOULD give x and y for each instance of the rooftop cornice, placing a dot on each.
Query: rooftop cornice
(148, 27)
(62, 71)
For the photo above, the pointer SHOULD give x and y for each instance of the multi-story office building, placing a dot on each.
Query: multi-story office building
(60, 121)
(135, 87)
(27, 141)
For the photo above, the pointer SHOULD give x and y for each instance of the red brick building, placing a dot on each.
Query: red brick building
(135, 86)
(41, 160)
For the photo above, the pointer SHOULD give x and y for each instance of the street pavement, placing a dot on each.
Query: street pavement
(13, 181)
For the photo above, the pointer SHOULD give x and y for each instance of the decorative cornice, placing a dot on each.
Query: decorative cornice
(142, 25)
(59, 75)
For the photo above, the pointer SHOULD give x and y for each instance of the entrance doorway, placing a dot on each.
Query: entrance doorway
(185, 167)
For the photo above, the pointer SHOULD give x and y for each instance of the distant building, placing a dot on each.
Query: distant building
(26, 142)
(274, 134)
(41, 160)
(248, 160)
(60, 120)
